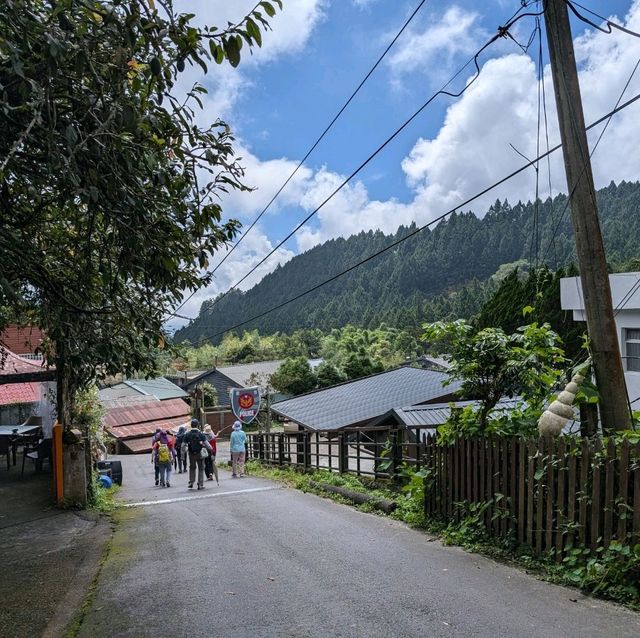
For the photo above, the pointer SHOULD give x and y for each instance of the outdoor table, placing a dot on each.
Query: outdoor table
(16, 432)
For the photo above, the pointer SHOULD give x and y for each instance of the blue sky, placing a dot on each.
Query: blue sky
(279, 100)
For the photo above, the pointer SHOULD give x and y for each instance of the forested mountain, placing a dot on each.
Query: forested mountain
(437, 274)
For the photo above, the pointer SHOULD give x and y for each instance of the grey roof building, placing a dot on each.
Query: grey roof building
(361, 402)
(244, 375)
(435, 414)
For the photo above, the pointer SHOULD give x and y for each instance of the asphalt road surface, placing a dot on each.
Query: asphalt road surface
(253, 559)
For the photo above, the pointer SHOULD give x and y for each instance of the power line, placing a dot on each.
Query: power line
(313, 147)
(610, 25)
(501, 33)
(420, 229)
(573, 190)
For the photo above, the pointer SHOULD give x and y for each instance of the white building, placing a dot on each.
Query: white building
(625, 293)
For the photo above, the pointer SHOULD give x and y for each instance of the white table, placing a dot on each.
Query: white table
(18, 430)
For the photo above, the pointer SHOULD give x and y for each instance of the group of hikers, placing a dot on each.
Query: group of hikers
(200, 448)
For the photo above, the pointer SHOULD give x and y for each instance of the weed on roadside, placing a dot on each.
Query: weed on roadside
(104, 499)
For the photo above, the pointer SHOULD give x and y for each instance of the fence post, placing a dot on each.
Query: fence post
(260, 447)
(306, 450)
(343, 453)
(280, 449)
(396, 455)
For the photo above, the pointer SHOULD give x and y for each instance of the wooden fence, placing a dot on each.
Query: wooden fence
(550, 494)
(377, 452)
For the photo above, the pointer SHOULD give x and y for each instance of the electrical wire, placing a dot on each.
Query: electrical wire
(501, 33)
(438, 219)
(610, 25)
(313, 147)
(575, 186)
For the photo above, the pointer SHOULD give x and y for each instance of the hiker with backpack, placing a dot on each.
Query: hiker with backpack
(198, 447)
(210, 467)
(181, 454)
(164, 449)
(154, 456)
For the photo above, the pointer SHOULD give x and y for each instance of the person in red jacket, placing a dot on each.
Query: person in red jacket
(210, 467)
(164, 450)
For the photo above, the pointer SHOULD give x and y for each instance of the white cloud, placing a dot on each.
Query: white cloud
(469, 152)
(437, 44)
(472, 148)
(249, 252)
(265, 178)
(290, 30)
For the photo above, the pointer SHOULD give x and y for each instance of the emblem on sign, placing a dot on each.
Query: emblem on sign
(245, 403)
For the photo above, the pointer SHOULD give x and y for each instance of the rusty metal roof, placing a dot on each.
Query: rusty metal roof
(138, 446)
(142, 419)
(146, 412)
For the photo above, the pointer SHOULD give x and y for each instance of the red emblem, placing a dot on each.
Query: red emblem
(246, 401)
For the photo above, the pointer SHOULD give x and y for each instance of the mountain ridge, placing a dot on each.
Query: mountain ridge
(438, 271)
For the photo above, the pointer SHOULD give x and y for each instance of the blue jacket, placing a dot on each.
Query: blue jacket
(238, 441)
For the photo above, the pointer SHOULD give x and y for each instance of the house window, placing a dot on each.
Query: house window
(632, 349)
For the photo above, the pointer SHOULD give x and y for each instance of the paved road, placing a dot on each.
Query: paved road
(253, 559)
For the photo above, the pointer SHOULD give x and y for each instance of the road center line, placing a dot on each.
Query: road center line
(179, 499)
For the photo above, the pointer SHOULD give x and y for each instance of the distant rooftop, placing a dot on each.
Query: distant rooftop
(159, 388)
(362, 400)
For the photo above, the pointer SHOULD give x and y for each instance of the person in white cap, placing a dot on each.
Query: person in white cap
(210, 467)
(238, 443)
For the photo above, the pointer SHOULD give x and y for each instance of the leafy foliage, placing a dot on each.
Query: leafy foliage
(492, 364)
(294, 376)
(539, 293)
(110, 188)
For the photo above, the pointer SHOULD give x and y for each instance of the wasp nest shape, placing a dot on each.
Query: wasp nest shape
(555, 417)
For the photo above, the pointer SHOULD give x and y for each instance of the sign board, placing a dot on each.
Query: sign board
(245, 403)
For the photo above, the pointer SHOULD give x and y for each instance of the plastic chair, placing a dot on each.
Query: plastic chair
(5, 449)
(37, 454)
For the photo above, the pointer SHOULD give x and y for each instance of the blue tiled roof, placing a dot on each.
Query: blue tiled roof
(364, 399)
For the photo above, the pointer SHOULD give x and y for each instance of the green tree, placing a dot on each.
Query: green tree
(210, 394)
(109, 187)
(327, 374)
(294, 376)
(492, 364)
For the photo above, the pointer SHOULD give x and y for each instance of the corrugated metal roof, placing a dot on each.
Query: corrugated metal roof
(119, 391)
(21, 340)
(241, 374)
(138, 446)
(151, 411)
(160, 388)
(438, 413)
(146, 429)
(123, 402)
(365, 399)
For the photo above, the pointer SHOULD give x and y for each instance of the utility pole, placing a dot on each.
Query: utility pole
(607, 363)
(268, 408)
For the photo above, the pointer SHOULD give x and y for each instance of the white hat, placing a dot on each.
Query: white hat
(237, 425)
